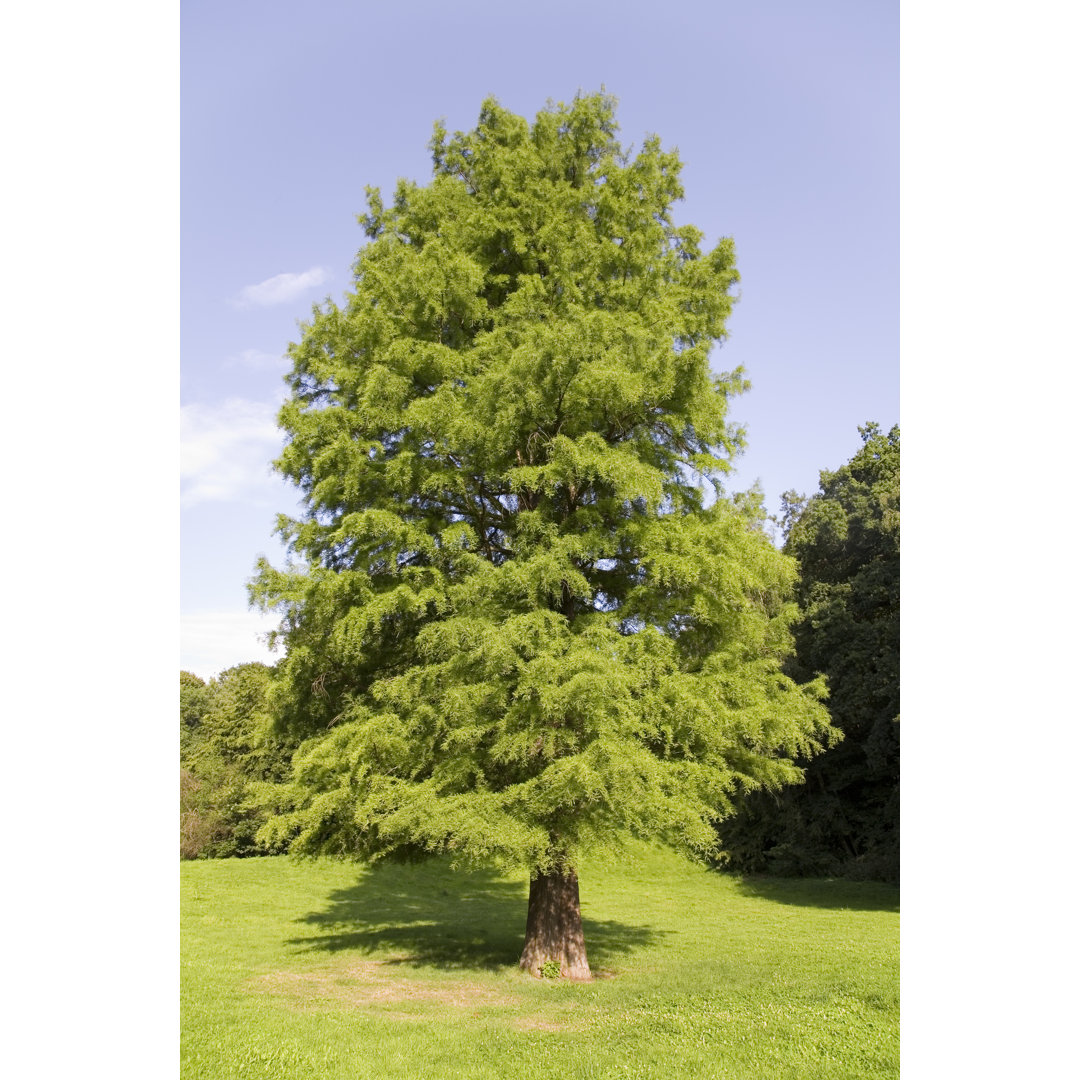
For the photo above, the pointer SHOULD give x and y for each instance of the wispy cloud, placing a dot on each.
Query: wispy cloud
(280, 289)
(225, 451)
(211, 641)
(256, 358)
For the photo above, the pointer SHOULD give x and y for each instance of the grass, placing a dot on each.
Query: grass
(325, 970)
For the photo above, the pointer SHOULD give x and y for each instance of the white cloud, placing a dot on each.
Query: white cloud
(226, 450)
(256, 358)
(281, 288)
(211, 641)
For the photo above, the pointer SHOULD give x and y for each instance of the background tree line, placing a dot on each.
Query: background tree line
(226, 749)
(842, 821)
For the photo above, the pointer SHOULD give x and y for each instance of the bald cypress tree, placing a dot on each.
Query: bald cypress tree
(522, 620)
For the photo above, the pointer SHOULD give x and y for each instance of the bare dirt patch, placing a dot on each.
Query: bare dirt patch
(542, 1023)
(379, 987)
(375, 983)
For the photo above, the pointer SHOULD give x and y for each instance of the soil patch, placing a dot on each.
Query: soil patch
(541, 1023)
(378, 986)
(366, 983)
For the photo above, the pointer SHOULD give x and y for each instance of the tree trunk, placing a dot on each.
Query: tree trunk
(553, 931)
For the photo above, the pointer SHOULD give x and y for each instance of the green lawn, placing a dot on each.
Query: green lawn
(323, 969)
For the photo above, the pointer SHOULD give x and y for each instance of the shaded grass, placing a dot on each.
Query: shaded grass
(321, 969)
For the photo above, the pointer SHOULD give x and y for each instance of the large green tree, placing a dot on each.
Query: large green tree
(845, 820)
(522, 619)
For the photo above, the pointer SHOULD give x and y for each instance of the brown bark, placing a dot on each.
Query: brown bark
(553, 931)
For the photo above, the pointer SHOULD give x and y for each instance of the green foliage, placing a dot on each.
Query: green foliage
(226, 751)
(550, 969)
(522, 618)
(194, 701)
(846, 819)
(325, 971)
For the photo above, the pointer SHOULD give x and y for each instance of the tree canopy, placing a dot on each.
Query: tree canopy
(846, 818)
(522, 617)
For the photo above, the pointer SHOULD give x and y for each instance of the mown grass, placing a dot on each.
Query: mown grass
(322, 969)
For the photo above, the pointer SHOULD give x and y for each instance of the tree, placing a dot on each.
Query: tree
(846, 819)
(517, 628)
(195, 698)
(226, 756)
(197, 826)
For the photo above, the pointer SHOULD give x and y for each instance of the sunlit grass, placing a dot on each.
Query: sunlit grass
(322, 969)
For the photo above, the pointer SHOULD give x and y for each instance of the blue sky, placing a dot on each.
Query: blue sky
(786, 116)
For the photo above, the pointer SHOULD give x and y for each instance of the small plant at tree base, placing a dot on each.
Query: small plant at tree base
(550, 969)
(524, 618)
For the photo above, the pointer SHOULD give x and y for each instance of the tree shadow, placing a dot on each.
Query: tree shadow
(836, 894)
(430, 915)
